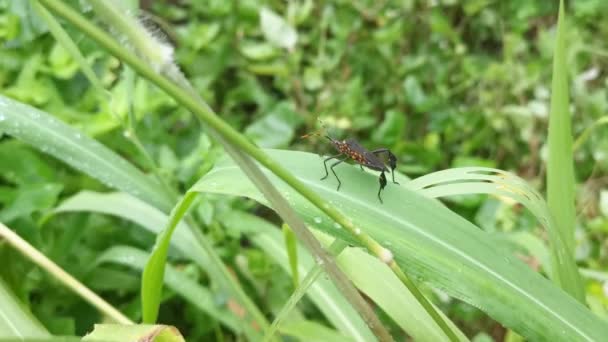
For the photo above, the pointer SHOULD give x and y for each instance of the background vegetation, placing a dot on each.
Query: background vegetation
(441, 83)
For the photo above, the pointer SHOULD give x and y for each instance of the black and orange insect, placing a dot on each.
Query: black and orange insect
(350, 148)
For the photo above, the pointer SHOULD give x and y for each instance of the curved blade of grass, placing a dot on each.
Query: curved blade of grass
(189, 289)
(560, 164)
(438, 246)
(150, 218)
(477, 180)
(154, 272)
(15, 320)
(369, 274)
(51, 136)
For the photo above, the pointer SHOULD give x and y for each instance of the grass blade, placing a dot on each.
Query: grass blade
(51, 136)
(560, 165)
(481, 180)
(154, 271)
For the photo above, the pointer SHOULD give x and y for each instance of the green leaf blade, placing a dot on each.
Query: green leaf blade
(438, 246)
(560, 168)
(51, 136)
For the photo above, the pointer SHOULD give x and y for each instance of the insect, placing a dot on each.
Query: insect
(350, 148)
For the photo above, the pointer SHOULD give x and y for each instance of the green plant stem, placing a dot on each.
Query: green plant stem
(62, 276)
(227, 132)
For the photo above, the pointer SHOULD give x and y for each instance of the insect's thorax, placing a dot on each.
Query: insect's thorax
(359, 154)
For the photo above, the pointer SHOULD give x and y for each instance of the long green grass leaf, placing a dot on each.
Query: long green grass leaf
(560, 165)
(154, 271)
(481, 180)
(51, 136)
(438, 246)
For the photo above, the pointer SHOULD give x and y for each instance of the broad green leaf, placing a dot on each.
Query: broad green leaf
(560, 166)
(140, 332)
(15, 320)
(435, 245)
(58, 139)
(482, 180)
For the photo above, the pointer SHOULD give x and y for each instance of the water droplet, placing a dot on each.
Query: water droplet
(2, 117)
(318, 220)
(337, 225)
(319, 261)
(357, 231)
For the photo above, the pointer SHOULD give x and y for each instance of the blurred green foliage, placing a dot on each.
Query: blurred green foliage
(441, 83)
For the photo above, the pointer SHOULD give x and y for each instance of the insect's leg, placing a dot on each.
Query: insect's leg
(334, 172)
(392, 160)
(382, 185)
(361, 166)
(325, 164)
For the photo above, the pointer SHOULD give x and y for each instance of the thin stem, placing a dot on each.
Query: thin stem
(231, 135)
(62, 276)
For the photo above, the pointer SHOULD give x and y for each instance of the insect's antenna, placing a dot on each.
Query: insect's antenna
(317, 132)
